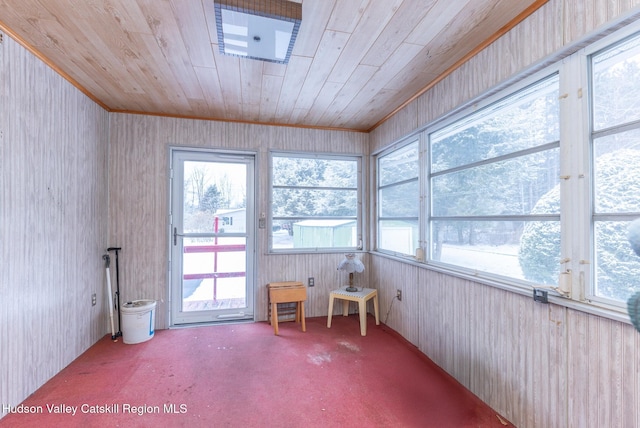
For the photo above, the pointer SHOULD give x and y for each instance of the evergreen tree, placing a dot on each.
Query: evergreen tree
(211, 199)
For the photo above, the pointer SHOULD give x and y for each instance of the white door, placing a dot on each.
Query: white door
(212, 236)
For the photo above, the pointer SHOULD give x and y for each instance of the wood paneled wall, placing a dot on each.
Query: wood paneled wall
(539, 365)
(53, 206)
(138, 181)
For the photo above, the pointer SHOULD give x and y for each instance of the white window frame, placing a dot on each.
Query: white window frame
(576, 184)
(358, 219)
(462, 116)
(587, 261)
(576, 173)
(402, 145)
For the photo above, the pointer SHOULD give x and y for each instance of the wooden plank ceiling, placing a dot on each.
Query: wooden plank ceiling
(354, 63)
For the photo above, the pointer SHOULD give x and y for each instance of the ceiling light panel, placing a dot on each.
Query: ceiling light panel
(258, 29)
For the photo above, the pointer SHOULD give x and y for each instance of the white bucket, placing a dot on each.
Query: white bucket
(138, 320)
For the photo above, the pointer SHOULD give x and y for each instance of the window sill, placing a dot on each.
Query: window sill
(524, 290)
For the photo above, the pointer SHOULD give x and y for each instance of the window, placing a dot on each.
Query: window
(315, 202)
(399, 200)
(494, 184)
(538, 179)
(615, 160)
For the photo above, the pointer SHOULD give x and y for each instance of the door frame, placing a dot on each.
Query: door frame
(251, 194)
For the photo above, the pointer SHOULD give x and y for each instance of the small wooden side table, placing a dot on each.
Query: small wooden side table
(362, 296)
(287, 292)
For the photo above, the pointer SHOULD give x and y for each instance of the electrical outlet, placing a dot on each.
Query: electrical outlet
(312, 282)
(93, 299)
(399, 294)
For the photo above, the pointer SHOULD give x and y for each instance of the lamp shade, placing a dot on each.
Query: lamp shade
(350, 264)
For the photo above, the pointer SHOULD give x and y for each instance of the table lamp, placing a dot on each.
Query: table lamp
(350, 264)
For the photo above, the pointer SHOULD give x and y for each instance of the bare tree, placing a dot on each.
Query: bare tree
(198, 181)
(224, 187)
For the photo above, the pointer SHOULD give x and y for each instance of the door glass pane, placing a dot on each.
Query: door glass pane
(214, 197)
(213, 273)
(212, 243)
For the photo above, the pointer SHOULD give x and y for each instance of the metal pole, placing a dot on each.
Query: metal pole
(107, 260)
(215, 258)
(116, 249)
